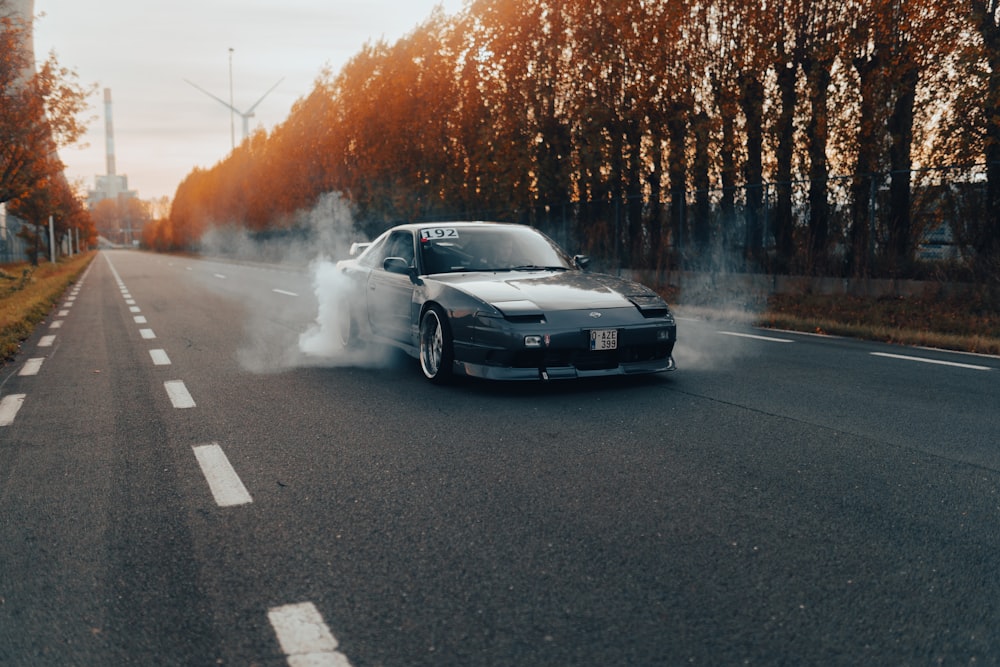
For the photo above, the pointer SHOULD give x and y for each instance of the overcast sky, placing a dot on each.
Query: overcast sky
(143, 51)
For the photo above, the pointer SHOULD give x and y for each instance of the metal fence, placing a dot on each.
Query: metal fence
(13, 248)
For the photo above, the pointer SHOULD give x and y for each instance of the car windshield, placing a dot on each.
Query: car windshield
(451, 249)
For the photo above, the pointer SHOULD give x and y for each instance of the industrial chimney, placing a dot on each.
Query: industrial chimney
(109, 133)
(109, 185)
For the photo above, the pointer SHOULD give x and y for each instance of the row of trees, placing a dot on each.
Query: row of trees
(647, 122)
(39, 113)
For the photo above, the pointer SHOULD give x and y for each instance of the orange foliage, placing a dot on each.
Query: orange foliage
(514, 105)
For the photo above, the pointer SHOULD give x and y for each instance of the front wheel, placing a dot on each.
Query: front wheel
(436, 351)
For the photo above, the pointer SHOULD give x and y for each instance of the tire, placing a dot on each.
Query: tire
(347, 327)
(436, 349)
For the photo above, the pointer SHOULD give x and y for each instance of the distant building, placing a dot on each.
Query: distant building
(109, 186)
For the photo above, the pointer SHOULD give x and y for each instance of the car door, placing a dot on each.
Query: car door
(389, 293)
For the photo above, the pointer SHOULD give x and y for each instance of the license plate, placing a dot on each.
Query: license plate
(604, 339)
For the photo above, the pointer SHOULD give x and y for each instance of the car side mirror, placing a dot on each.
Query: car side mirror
(396, 265)
(581, 261)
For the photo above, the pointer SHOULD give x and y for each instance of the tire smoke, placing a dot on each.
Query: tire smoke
(301, 332)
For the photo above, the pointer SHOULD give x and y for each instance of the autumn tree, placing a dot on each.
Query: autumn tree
(38, 112)
(38, 115)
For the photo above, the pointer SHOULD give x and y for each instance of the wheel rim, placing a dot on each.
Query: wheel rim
(431, 345)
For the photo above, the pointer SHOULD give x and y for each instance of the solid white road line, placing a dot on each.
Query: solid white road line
(304, 637)
(32, 366)
(756, 337)
(9, 406)
(227, 489)
(147, 334)
(178, 393)
(46, 341)
(285, 292)
(923, 360)
(159, 357)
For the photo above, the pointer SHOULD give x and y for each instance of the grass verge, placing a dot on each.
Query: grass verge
(27, 294)
(969, 323)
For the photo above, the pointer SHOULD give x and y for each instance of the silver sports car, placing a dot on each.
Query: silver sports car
(500, 301)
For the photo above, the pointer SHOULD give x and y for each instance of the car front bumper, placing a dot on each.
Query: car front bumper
(542, 372)
(565, 354)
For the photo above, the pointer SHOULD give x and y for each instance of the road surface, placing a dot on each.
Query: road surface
(180, 485)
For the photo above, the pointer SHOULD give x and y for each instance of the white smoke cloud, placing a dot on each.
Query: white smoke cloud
(301, 332)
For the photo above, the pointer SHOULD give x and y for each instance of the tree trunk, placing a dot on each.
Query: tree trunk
(703, 205)
(870, 137)
(987, 238)
(818, 132)
(752, 100)
(677, 166)
(900, 162)
(784, 223)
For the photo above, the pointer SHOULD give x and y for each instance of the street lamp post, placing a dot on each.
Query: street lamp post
(232, 120)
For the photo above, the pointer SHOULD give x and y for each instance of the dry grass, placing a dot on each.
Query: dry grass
(27, 295)
(969, 323)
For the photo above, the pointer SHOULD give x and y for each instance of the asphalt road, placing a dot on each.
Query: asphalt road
(179, 485)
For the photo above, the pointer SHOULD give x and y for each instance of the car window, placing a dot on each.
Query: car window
(375, 253)
(489, 248)
(401, 245)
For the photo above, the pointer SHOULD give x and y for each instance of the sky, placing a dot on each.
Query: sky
(146, 51)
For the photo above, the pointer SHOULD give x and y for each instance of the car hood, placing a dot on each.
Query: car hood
(551, 291)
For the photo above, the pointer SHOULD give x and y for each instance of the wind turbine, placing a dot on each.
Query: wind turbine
(245, 115)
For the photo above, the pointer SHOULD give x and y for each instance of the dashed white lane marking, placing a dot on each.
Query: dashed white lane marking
(46, 341)
(924, 360)
(63, 313)
(304, 637)
(140, 319)
(147, 334)
(178, 393)
(57, 324)
(285, 292)
(769, 339)
(9, 406)
(159, 357)
(134, 309)
(225, 484)
(31, 366)
(130, 302)
(219, 276)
